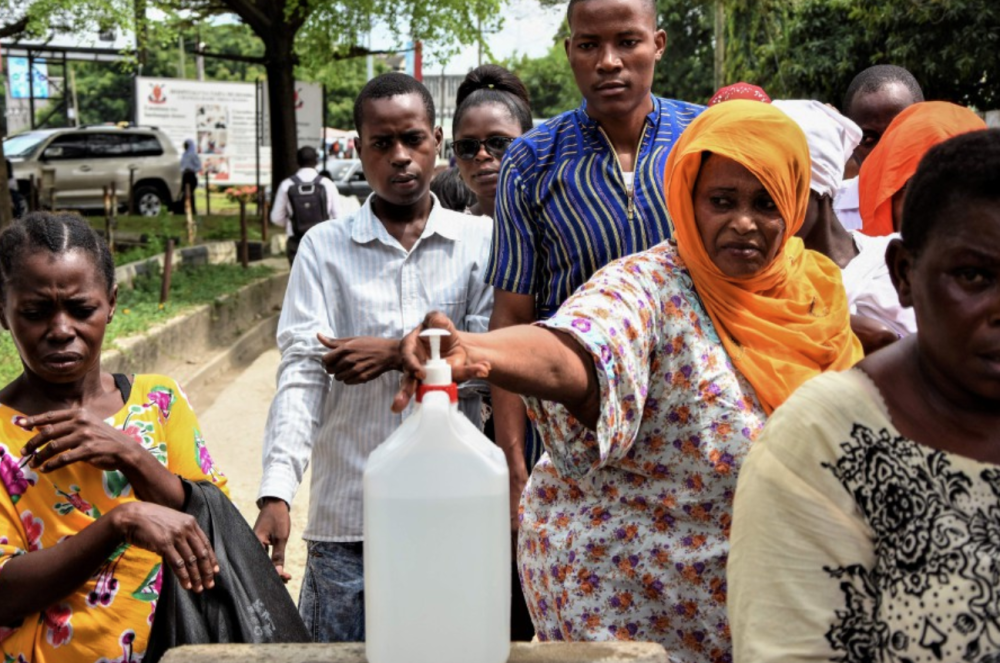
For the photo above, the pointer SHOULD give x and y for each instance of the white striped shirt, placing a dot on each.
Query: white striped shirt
(351, 278)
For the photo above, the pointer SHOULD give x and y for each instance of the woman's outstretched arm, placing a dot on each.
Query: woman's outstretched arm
(523, 359)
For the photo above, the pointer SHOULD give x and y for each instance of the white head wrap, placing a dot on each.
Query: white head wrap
(832, 138)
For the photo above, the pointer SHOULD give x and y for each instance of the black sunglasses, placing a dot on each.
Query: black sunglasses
(468, 148)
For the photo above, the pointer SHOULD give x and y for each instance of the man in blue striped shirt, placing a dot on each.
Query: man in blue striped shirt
(584, 188)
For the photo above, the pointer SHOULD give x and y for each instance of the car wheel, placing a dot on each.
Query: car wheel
(148, 201)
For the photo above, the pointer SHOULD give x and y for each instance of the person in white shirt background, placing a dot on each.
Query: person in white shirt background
(877, 318)
(358, 285)
(875, 96)
(281, 212)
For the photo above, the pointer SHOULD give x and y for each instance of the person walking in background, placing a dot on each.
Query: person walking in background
(190, 167)
(304, 200)
(873, 99)
(876, 316)
(358, 285)
(887, 171)
(584, 188)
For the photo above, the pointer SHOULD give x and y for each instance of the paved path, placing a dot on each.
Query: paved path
(232, 416)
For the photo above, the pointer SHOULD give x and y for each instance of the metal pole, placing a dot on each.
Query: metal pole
(107, 219)
(208, 197)
(131, 187)
(263, 222)
(65, 101)
(72, 90)
(168, 270)
(183, 67)
(188, 214)
(199, 59)
(322, 131)
(113, 213)
(257, 129)
(31, 87)
(244, 243)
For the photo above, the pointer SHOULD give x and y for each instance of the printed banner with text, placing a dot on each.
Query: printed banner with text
(221, 118)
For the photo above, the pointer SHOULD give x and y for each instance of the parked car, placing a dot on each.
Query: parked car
(349, 178)
(81, 161)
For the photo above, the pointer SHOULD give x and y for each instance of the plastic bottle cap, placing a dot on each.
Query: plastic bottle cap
(437, 369)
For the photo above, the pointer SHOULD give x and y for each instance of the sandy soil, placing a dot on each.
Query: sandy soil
(233, 424)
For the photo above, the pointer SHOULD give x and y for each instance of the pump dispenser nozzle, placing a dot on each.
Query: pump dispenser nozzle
(437, 369)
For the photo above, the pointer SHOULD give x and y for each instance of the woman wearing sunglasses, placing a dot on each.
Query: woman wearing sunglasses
(493, 109)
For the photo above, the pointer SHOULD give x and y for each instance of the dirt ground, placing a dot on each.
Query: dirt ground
(232, 420)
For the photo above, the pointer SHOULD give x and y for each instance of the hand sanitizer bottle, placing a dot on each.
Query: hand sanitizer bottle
(437, 535)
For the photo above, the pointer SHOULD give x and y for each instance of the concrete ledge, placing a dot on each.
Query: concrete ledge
(555, 652)
(239, 325)
(239, 355)
(212, 253)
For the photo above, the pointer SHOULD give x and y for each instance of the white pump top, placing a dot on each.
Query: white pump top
(437, 369)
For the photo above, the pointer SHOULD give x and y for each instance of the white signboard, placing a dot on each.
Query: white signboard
(308, 114)
(221, 118)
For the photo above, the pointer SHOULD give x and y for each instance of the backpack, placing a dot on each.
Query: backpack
(308, 200)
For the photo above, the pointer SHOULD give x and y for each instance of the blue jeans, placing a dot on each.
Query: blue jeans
(332, 600)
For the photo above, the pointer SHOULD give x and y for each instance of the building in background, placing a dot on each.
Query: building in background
(444, 89)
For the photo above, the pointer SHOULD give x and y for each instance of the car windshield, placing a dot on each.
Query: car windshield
(23, 144)
(338, 168)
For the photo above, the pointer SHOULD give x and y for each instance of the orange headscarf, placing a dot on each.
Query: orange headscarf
(790, 321)
(894, 160)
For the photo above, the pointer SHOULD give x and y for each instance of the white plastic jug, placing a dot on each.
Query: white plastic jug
(437, 536)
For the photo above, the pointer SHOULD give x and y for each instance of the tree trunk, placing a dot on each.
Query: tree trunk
(281, 100)
(6, 209)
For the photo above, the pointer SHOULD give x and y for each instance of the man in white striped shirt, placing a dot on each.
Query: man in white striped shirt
(358, 285)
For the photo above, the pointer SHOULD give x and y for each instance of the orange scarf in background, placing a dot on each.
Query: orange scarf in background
(790, 321)
(894, 160)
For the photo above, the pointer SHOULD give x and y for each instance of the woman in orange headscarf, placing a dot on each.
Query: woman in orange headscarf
(894, 160)
(651, 382)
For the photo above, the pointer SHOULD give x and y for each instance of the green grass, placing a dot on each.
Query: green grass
(222, 224)
(208, 228)
(139, 308)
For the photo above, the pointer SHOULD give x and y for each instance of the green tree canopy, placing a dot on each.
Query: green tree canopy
(549, 81)
(290, 29)
(686, 70)
(813, 48)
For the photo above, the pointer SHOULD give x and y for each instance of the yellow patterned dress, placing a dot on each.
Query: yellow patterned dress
(107, 619)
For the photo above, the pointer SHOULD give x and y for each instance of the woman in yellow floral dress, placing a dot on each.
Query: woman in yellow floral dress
(91, 499)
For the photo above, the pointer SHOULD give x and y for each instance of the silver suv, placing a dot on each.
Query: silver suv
(80, 162)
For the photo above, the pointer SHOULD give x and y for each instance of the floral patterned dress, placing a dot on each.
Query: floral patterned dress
(108, 619)
(854, 544)
(624, 530)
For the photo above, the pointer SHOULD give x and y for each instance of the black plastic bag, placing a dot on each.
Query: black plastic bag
(249, 603)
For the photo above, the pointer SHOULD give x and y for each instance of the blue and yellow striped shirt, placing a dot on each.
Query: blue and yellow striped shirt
(563, 210)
